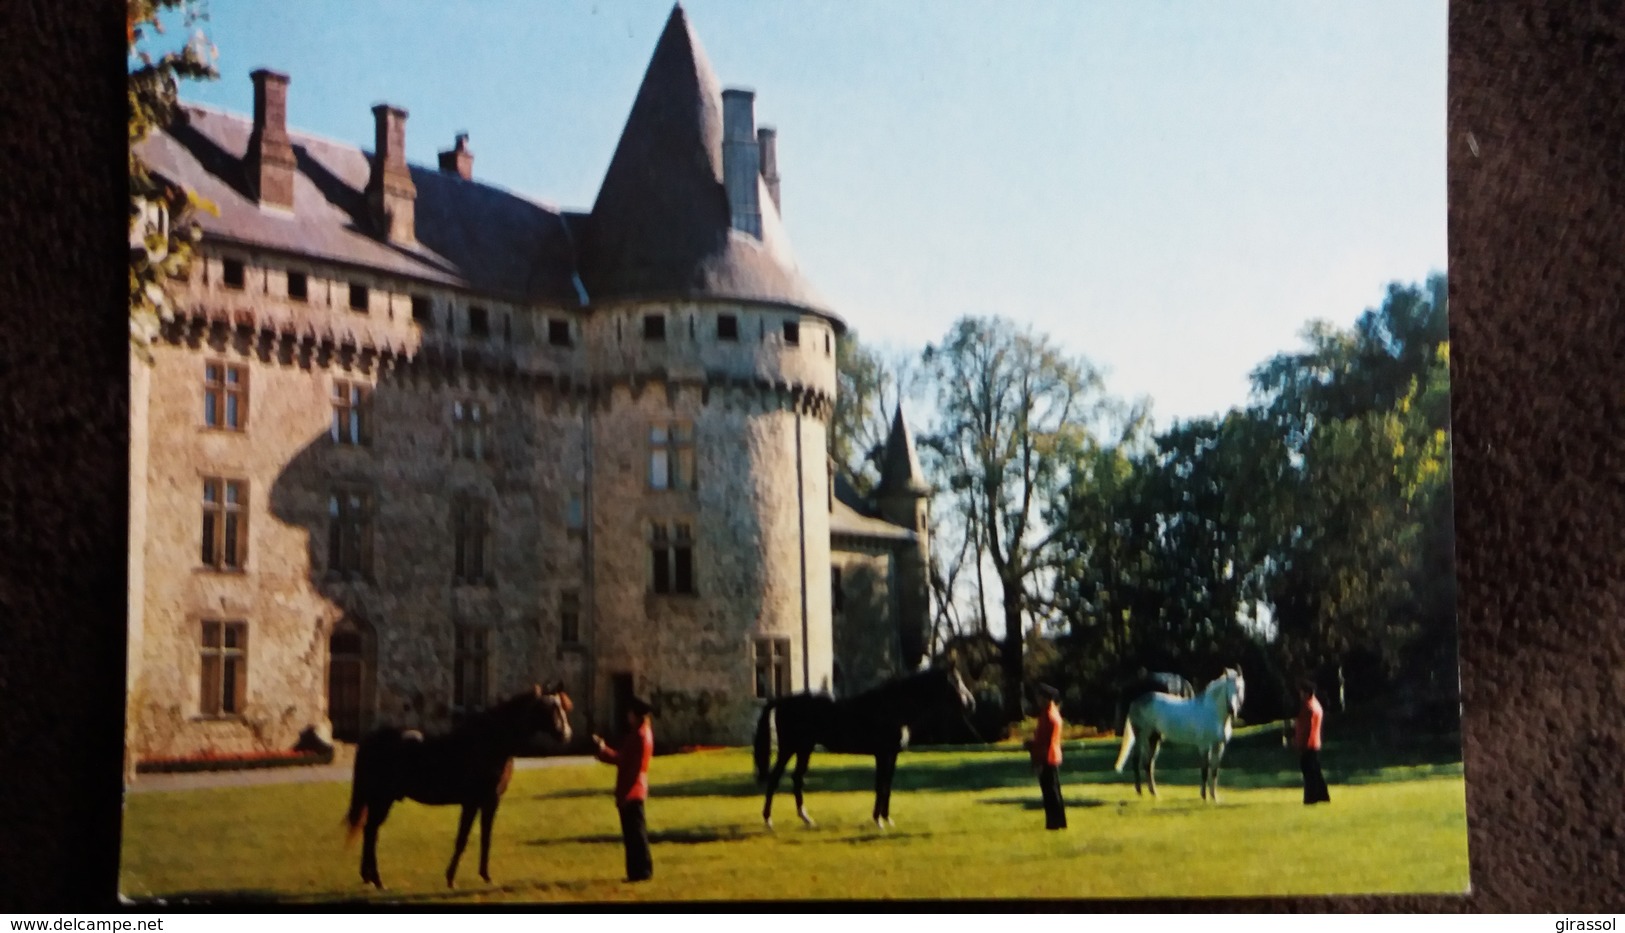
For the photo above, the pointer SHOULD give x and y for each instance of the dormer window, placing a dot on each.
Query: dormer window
(233, 275)
(298, 287)
(654, 327)
(558, 333)
(792, 333)
(728, 327)
(358, 297)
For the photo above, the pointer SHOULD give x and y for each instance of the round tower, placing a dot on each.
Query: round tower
(713, 374)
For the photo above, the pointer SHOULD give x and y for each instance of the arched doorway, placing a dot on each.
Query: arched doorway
(349, 670)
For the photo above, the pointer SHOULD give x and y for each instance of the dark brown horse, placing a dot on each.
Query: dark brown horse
(871, 723)
(469, 766)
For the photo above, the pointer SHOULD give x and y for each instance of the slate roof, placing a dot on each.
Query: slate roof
(900, 471)
(845, 520)
(660, 227)
(469, 234)
(851, 514)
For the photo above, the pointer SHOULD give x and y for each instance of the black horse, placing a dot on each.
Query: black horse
(469, 766)
(871, 723)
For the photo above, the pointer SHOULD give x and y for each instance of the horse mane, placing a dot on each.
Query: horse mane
(902, 695)
(512, 712)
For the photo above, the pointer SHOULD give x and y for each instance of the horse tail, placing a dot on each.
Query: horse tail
(1128, 743)
(357, 814)
(764, 741)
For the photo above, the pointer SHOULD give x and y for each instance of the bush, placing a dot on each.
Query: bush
(234, 761)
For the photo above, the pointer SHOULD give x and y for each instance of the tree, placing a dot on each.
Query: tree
(864, 385)
(162, 234)
(1012, 412)
(1361, 564)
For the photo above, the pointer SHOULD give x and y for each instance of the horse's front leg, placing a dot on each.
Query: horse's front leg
(885, 769)
(773, 785)
(798, 778)
(488, 816)
(1218, 755)
(465, 820)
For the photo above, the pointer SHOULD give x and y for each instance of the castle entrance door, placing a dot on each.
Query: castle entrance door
(346, 675)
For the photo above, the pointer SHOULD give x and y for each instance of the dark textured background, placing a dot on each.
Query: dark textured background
(1537, 238)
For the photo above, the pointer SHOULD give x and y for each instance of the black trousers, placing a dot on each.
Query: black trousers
(1049, 781)
(635, 834)
(1314, 783)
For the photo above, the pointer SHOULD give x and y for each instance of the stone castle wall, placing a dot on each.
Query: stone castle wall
(564, 475)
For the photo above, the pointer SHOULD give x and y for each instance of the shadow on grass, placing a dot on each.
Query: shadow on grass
(574, 794)
(682, 837)
(1252, 762)
(1037, 803)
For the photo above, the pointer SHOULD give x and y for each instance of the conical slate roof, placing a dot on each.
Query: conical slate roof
(660, 227)
(900, 472)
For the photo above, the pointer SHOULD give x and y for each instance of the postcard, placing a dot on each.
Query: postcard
(733, 452)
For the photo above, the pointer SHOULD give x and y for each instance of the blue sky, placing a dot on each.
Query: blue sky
(1168, 189)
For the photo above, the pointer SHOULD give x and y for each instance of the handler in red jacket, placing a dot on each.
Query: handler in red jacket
(631, 761)
(1046, 753)
(1307, 742)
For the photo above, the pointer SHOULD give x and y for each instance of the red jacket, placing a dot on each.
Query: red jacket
(631, 760)
(1046, 747)
(1308, 737)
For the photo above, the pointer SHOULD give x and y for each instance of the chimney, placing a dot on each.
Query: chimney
(269, 159)
(458, 161)
(390, 192)
(767, 140)
(741, 159)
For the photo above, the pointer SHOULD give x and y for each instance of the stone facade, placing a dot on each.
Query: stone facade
(366, 490)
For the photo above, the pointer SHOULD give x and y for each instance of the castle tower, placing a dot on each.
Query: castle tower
(714, 379)
(903, 497)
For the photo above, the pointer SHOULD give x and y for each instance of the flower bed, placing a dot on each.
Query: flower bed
(236, 761)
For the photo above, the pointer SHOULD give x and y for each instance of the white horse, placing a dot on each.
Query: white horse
(1203, 721)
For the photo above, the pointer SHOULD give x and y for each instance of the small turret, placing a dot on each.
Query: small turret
(903, 499)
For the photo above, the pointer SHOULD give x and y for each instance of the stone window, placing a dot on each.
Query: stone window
(225, 668)
(225, 396)
(352, 413)
(671, 551)
(233, 275)
(654, 327)
(792, 333)
(837, 595)
(349, 533)
(479, 322)
(225, 523)
(558, 332)
(468, 430)
(358, 297)
(471, 531)
(772, 664)
(570, 618)
(727, 327)
(298, 287)
(423, 311)
(469, 667)
(671, 456)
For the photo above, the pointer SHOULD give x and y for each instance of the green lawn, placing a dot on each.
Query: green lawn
(969, 824)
